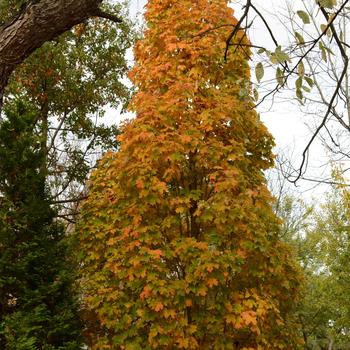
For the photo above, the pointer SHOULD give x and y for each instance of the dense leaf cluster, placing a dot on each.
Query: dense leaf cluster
(10, 8)
(180, 247)
(323, 247)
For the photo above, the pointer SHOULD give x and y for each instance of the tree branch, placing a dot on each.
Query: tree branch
(336, 90)
(39, 22)
(102, 14)
(237, 27)
(69, 200)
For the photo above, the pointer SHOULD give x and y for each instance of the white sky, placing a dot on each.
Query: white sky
(283, 117)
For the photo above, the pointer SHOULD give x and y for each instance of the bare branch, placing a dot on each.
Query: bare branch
(336, 91)
(237, 28)
(69, 200)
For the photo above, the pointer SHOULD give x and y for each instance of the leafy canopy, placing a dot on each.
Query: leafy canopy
(178, 240)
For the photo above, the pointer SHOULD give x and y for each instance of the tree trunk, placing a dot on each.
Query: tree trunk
(40, 21)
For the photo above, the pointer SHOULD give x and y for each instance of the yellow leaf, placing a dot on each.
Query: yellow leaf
(183, 343)
(170, 313)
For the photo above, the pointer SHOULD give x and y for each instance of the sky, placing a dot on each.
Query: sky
(290, 127)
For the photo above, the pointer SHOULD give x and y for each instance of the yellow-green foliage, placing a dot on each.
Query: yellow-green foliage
(180, 245)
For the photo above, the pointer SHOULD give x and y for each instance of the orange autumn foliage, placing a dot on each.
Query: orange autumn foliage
(180, 244)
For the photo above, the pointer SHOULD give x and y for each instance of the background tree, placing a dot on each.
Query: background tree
(326, 313)
(29, 24)
(179, 243)
(63, 88)
(69, 82)
(38, 309)
(319, 234)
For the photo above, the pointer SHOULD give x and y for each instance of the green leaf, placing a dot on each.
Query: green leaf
(309, 81)
(304, 16)
(259, 71)
(281, 56)
(327, 3)
(299, 94)
(255, 94)
(261, 51)
(273, 58)
(300, 38)
(323, 51)
(301, 69)
(324, 29)
(280, 76)
(299, 83)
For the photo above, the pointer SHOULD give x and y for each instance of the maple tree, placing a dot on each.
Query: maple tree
(179, 245)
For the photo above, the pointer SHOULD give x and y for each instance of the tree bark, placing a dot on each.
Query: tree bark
(40, 21)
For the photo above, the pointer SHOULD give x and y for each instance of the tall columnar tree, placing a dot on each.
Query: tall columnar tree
(179, 243)
(37, 307)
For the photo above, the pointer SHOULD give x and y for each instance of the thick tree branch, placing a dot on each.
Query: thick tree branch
(39, 22)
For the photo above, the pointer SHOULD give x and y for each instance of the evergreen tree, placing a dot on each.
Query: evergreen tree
(37, 308)
(180, 246)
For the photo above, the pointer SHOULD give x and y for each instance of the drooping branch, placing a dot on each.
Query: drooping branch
(39, 22)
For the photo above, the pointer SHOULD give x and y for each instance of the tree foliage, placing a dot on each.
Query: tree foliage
(69, 82)
(320, 236)
(10, 8)
(37, 307)
(326, 313)
(179, 243)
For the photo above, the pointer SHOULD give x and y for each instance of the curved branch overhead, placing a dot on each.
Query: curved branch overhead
(39, 22)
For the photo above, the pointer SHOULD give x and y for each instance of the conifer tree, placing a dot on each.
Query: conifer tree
(37, 307)
(179, 243)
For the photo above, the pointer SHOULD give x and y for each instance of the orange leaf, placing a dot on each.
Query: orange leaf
(212, 282)
(139, 184)
(147, 291)
(158, 306)
(156, 252)
(189, 302)
(249, 317)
